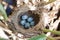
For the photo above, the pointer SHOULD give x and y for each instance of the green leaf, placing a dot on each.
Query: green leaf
(3, 12)
(2, 38)
(39, 37)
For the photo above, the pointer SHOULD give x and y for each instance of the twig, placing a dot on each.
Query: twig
(54, 32)
(51, 38)
(57, 38)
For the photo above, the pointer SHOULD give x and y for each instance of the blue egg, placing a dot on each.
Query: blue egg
(23, 22)
(24, 17)
(32, 23)
(27, 25)
(30, 19)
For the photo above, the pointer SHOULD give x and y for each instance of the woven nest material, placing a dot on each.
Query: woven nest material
(39, 23)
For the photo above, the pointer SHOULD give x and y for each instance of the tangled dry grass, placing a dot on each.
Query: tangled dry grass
(50, 17)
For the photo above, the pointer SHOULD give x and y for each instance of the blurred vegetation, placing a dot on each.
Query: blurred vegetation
(39, 37)
(2, 38)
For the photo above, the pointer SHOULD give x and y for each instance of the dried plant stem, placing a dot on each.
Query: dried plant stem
(57, 38)
(51, 38)
(54, 32)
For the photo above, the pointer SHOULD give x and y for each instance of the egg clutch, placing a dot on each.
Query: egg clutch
(26, 21)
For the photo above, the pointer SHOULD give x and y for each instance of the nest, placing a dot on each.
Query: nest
(42, 16)
(33, 31)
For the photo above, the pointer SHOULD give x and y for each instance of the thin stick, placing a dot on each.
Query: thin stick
(54, 32)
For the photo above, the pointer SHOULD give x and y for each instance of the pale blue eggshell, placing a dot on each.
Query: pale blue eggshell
(30, 19)
(32, 23)
(24, 17)
(27, 25)
(23, 22)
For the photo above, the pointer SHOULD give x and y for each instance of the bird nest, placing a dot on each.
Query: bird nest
(33, 31)
(45, 16)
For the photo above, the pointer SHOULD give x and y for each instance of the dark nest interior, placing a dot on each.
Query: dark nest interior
(30, 14)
